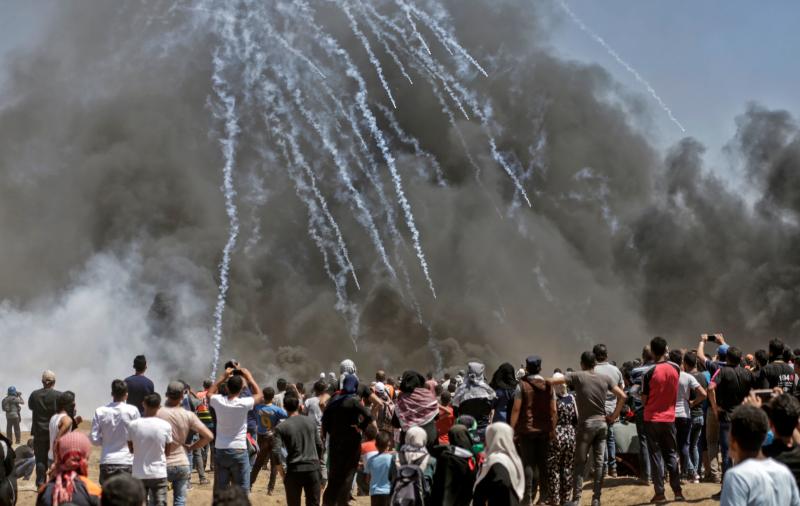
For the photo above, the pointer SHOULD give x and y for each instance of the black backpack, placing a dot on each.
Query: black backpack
(8, 480)
(409, 486)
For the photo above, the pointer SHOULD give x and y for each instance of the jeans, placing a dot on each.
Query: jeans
(694, 445)
(591, 436)
(297, 482)
(265, 444)
(24, 468)
(231, 467)
(41, 445)
(683, 429)
(109, 470)
(611, 449)
(724, 443)
(533, 450)
(179, 476)
(12, 428)
(663, 450)
(644, 453)
(156, 491)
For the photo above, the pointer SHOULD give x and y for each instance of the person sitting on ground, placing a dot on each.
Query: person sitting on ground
(475, 397)
(149, 439)
(501, 481)
(123, 490)
(755, 479)
(139, 385)
(110, 430)
(25, 461)
(69, 482)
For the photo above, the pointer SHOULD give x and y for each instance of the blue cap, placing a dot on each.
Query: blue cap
(12, 390)
(722, 351)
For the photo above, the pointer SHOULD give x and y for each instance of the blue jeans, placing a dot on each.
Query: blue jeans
(694, 443)
(724, 444)
(179, 476)
(683, 428)
(644, 452)
(611, 448)
(231, 467)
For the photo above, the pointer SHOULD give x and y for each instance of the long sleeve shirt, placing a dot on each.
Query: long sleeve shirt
(297, 444)
(110, 430)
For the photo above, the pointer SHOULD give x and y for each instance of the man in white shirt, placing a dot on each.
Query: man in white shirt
(182, 421)
(149, 440)
(110, 430)
(231, 461)
(755, 480)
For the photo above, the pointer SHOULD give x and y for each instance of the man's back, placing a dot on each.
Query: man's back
(139, 386)
(42, 403)
(590, 393)
(298, 436)
(777, 374)
(660, 385)
(182, 422)
(149, 436)
(231, 421)
(759, 483)
(732, 385)
(268, 417)
(110, 429)
(613, 372)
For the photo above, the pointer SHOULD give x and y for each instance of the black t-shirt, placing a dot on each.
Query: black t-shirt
(701, 378)
(733, 385)
(790, 457)
(777, 374)
(42, 403)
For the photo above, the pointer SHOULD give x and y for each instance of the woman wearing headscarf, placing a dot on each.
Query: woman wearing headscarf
(475, 397)
(504, 383)
(414, 452)
(416, 406)
(69, 482)
(456, 468)
(561, 456)
(501, 480)
(342, 422)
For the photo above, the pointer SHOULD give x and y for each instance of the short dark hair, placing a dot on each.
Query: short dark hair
(647, 354)
(380, 376)
(207, 383)
(749, 426)
(445, 398)
(281, 384)
(269, 394)
(118, 389)
(658, 345)
(65, 400)
(319, 387)
(139, 363)
(382, 441)
(676, 356)
(230, 496)
(783, 412)
(438, 389)
(291, 404)
(371, 432)
(152, 400)
(690, 359)
(734, 356)
(447, 375)
(122, 489)
(588, 360)
(429, 375)
(600, 352)
(301, 388)
(451, 387)
(761, 357)
(775, 349)
(235, 384)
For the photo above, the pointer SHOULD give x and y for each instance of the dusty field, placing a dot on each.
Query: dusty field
(617, 491)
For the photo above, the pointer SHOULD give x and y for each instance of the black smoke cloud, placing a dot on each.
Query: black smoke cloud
(110, 207)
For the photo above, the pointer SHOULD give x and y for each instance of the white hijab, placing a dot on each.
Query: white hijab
(500, 450)
(414, 451)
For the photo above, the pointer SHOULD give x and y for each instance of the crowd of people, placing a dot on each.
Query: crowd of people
(519, 438)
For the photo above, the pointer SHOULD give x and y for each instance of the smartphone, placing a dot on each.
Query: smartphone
(764, 393)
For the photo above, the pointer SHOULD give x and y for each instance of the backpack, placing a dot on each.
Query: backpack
(408, 488)
(385, 416)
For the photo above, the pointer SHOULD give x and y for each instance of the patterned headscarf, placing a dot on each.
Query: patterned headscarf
(475, 387)
(72, 459)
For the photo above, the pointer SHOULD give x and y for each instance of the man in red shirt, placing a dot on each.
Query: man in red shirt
(659, 396)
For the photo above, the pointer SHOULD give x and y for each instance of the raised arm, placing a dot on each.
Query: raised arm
(258, 395)
(227, 373)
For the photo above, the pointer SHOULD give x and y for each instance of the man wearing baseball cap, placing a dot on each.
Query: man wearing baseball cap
(42, 403)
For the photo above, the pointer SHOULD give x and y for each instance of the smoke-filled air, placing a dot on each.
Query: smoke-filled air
(400, 182)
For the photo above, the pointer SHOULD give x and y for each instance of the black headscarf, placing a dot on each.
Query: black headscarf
(459, 436)
(504, 377)
(411, 380)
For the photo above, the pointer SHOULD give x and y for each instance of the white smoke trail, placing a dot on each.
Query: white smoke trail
(228, 144)
(407, 9)
(372, 58)
(591, 33)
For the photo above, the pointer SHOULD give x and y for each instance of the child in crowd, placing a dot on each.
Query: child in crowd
(377, 468)
(446, 418)
(368, 450)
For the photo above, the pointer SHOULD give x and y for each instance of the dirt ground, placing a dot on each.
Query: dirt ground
(617, 491)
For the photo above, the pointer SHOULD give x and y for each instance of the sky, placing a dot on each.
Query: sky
(706, 59)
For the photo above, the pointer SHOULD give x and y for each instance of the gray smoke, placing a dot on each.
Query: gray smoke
(113, 221)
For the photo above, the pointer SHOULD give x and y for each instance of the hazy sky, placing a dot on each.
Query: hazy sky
(706, 59)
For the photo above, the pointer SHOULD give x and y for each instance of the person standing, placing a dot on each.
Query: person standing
(659, 396)
(63, 421)
(590, 395)
(297, 447)
(110, 431)
(604, 367)
(314, 407)
(697, 412)
(776, 373)
(505, 385)
(533, 418)
(139, 385)
(207, 417)
(475, 397)
(561, 459)
(149, 439)
(183, 423)
(43, 404)
(268, 416)
(690, 394)
(342, 421)
(638, 410)
(12, 405)
(231, 462)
